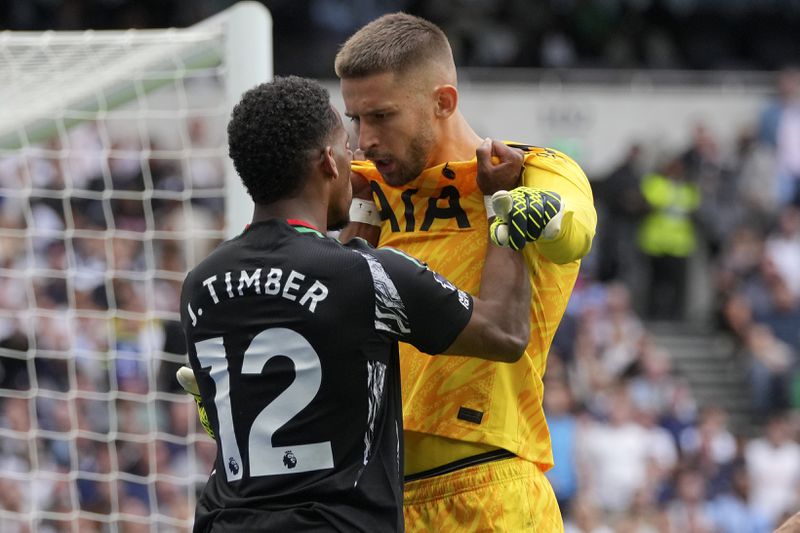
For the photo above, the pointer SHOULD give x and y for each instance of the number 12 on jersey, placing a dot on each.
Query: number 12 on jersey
(265, 458)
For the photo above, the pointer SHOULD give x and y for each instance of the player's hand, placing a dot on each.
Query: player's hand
(499, 166)
(524, 215)
(361, 187)
(187, 380)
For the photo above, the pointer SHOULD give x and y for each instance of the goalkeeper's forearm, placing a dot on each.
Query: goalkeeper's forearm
(499, 329)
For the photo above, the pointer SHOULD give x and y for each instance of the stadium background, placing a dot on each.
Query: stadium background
(663, 418)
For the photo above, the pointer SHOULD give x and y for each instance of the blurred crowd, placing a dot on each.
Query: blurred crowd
(634, 449)
(675, 34)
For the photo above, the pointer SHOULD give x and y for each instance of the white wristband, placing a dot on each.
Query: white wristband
(364, 211)
(487, 202)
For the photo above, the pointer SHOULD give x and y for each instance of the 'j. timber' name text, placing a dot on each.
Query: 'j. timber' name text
(293, 288)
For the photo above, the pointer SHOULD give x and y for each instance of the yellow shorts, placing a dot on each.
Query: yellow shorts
(510, 495)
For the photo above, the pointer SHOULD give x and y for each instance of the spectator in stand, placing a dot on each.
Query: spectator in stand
(617, 331)
(752, 167)
(736, 316)
(773, 467)
(588, 376)
(779, 128)
(643, 517)
(585, 517)
(711, 448)
(770, 363)
(615, 457)
(733, 512)
(667, 236)
(783, 314)
(663, 454)
(757, 287)
(653, 386)
(689, 512)
(740, 258)
(621, 195)
(682, 411)
(702, 164)
(783, 248)
(563, 434)
(710, 437)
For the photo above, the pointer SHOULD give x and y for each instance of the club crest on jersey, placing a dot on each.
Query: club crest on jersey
(289, 460)
(447, 284)
(444, 282)
(233, 466)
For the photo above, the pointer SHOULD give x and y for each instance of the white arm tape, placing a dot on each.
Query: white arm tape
(364, 211)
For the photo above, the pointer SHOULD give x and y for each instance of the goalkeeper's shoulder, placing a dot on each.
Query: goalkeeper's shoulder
(542, 163)
(551, 170)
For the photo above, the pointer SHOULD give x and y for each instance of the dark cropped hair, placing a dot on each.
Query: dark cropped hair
(271, 131)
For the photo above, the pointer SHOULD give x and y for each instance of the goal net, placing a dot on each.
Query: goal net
(114, 180)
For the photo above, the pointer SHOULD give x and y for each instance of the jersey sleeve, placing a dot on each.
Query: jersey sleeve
(414, 304)
(551, 170)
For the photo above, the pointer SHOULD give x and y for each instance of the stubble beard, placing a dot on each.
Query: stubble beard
(418, 151)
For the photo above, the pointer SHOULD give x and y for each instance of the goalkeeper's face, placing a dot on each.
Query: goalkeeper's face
(394, 120)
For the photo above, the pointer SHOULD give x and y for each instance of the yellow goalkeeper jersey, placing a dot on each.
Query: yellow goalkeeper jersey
(440, 218)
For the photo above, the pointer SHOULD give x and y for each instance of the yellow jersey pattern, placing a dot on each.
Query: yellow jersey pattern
(510, 495)
(440, 218)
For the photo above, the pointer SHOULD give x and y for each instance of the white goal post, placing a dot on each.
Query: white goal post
(114, 181)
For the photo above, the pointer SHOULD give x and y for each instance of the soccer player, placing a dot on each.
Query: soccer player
(292, 336)
(476, 439)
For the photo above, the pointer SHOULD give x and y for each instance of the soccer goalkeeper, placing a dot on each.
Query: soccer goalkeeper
(476, 439)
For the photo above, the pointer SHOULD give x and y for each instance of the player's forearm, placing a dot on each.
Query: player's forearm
(368, 232)
(506, 291)
(499, 329)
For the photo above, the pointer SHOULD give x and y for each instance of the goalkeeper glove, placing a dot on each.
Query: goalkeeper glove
(187, 380)
(524, 215)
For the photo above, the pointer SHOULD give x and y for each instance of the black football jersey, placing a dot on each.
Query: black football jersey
(293, 339)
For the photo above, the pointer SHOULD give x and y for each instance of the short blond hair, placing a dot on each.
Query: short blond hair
(393, 43)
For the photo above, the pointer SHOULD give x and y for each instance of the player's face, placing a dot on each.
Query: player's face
(342, 193)
(394, 124)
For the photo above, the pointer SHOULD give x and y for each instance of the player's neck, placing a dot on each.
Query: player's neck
(293, 209)
(457, 141)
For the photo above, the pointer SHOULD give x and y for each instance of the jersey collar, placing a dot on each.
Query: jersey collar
(303, 223)
(298, 224)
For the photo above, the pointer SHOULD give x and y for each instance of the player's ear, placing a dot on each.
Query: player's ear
(446, 100)
(328, 162)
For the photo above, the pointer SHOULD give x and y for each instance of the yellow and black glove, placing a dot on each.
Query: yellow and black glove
(524, 215)
(187, 380)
